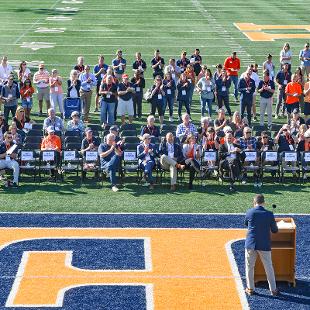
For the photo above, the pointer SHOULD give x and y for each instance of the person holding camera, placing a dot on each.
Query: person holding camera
(110, 154)
(260, 223)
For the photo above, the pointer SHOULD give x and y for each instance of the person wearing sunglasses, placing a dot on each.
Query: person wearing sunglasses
(8, 154)
(285, 139)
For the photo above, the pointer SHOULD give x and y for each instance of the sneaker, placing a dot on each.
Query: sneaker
(115, 189)
(249, 291)
(232, 188)
(254, 118)
(305, 176)
(275, 293)
(171, 119)
(255, 184)
(276, 116)
(40, 113)
(259, 184)
(146, 184)
(243, 181)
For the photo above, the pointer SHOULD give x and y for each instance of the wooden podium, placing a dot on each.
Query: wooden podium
(283, 251)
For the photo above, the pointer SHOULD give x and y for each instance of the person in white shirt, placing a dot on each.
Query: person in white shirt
(268, 65)
(5, 70)
(286, 56)
(173, 69)
(255, 77)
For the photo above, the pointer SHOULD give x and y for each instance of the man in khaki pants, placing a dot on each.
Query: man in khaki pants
(259, 222)
(171, 157)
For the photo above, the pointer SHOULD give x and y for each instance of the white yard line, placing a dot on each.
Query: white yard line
(35, 23)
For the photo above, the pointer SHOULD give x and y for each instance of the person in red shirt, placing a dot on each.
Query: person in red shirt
(293, 91)
(232, 66)
(26, 93)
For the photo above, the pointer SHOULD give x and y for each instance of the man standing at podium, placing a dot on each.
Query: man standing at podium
(259, 222)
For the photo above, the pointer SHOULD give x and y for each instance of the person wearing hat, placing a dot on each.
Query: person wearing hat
(75, 124)
(125, 91)
(158, 64)
(115, 130)
(89, 143)
(119, 64)
(51, 141)
(146, 153)
(110, 155)
(41, 80)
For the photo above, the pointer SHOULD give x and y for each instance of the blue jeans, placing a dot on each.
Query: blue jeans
(148, 169)
(169, 101)
(234, 79)
(203, 103)
(107, 112)
(111, 167)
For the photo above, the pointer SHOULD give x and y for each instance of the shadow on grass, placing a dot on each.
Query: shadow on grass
(53, 12)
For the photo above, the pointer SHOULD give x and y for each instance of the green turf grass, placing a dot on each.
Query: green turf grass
(103, 27)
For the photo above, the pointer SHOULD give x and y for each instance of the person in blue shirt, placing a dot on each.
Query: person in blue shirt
(169, 88)
(99, 70)
(266, 89)
(119, 65)
(183, 88)
(110, 155)
(183, 62)
(88, 81)
(283, 77)
(158, 64)
(246, 88)
(304, 56)
(260, 223)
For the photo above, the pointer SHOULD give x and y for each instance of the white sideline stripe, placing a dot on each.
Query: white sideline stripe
(235, 271)
(34, 24)
(142, 213)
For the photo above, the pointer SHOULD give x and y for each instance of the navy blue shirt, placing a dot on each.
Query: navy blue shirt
(182, 63)
(222, 88)
(197, 66)
(111, 88)
(260, 223)
(159, 69)
(123, 87)
(97, 69)
(242, 87)
(183, 91)
(138, 85)
(117, 62)
(156, 97)
(4, 148)
(281, 77)
(139, 63)
(266, 93)
(169, 89)
(104, 147)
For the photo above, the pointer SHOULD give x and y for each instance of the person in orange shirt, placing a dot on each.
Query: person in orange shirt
(293, 91)
(232, 66)
(26, 93)
(307, 99)
(51, 141)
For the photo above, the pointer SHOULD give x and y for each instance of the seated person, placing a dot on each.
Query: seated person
(237, 124)
(285, 140)
(115, 130)
(185, 128)
(51, 141)
(150, 128)
(19, 119)
(89, 143)
(3, 126)
(171, 158)
(8, 154)
(209, 142)
(75, 124)
(202, 130)
(230, 159)
(53, 120)
(17, 138)
(192, 155)
(304, 144)
(110, 156)
(146, 153)
(265, 143)
(221, 120)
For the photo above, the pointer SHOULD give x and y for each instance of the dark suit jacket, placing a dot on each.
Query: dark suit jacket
(178, 154)
(259, 222)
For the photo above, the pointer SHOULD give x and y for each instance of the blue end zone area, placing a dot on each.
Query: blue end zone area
(128, 254)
